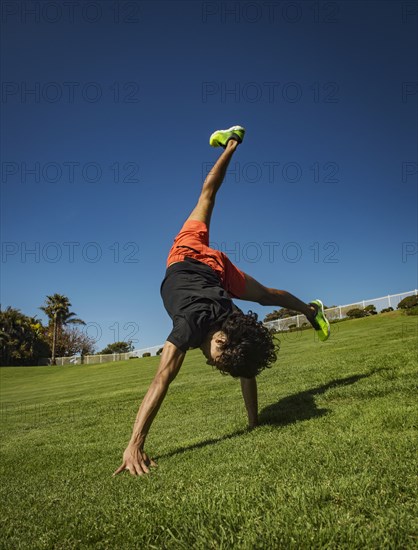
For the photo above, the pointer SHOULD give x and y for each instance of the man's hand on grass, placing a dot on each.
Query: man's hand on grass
(253, 424)
(136, 461)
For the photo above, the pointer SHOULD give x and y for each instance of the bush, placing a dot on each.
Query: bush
(408, 302)
(387, 309)
(117, 347)
(146, 354)
(371, 309)
(23, 339)
(412, 311)
(159, 352)
(356, 313)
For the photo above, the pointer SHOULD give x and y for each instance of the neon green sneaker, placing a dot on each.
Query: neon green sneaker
(320, 323)
(221, 137)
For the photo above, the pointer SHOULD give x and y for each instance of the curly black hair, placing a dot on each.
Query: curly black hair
(249, 347)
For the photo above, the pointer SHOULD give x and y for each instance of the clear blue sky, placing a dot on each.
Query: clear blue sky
(106, 118)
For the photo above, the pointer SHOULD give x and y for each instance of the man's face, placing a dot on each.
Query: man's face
(211, 347)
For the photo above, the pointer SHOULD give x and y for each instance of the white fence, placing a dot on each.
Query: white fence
(95, 359)
(280, 325)
(340, 312)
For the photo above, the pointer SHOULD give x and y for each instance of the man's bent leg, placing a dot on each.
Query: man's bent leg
(256, 292)
(314, 311)
(204, 207)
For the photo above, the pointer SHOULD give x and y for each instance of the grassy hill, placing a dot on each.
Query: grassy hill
(333, 464)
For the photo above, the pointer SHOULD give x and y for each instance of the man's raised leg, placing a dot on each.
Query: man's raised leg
(204, 207)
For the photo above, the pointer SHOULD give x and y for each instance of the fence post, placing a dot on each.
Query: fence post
(389, 304)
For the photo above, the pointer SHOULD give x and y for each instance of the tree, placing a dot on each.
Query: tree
(57, 309)
(22, 338)
(73, 341)
(118, 347)
(282, 313)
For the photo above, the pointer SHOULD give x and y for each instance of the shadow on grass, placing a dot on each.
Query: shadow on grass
(294, 408)
(302, 406)
(201, 444)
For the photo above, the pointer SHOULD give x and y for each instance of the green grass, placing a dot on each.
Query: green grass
(333, 464)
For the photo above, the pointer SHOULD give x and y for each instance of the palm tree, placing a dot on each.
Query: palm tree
(57, 309)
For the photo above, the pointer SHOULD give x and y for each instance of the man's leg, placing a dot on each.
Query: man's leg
(256, 292)
(204, 207)
(314, 311)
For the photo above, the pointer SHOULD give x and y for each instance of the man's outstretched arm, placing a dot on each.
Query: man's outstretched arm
(134, 458)
(249, 393)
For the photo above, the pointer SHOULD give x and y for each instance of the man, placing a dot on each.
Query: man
(197, 292)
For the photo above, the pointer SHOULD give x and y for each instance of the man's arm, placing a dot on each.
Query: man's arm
(249, 392)
(134, 458)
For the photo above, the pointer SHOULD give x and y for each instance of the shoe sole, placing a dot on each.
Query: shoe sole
(321, 305)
